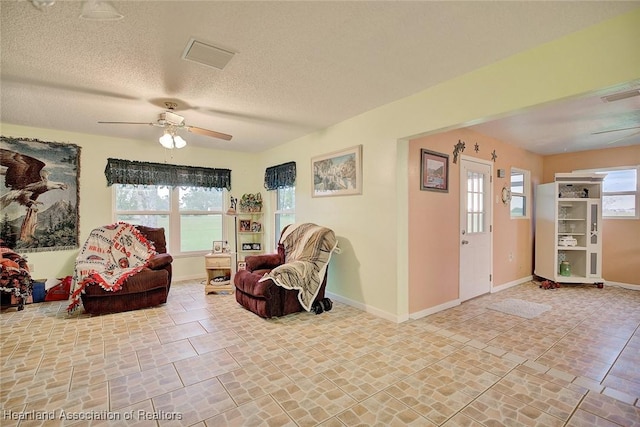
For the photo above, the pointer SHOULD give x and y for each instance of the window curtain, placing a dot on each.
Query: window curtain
(144, 173)
(280, 176)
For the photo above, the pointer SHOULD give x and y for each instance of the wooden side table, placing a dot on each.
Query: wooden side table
(218, 267)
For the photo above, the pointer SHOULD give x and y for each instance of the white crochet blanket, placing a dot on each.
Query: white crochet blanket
(109, 256)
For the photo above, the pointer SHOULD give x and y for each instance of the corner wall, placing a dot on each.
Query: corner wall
(370, 227)
(434, 238)
(96, 198)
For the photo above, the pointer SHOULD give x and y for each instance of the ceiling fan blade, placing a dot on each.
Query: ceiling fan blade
(207, 132)
(615, 130)
(624, 137)
(128, 123)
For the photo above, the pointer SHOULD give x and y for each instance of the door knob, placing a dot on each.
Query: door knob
(465, 242)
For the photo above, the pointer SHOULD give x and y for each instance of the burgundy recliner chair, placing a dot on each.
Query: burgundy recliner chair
(147, 288)
(266, 299)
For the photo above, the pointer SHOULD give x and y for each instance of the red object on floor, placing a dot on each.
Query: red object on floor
(59, 292)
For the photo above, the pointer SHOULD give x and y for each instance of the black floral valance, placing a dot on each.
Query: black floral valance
(280, 176)
(144, 173)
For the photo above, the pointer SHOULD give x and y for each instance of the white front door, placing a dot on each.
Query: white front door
(475, 228)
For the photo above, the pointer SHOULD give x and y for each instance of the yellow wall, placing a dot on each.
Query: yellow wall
(621, 237)
(373, 228)
(96, 197)
(372, 271)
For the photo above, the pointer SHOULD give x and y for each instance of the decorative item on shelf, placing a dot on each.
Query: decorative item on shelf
(256, 246)
(226, 248)
(245, 225)
(217, 247)
(251, 203)
(233, 202)
(457, 149)
(476, 147)
(242, 265)
(247, 246)
(565, 268)
(256, 227)
(567, 241)
(494, 156)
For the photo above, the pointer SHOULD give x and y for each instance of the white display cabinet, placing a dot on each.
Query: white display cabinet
(568, 247)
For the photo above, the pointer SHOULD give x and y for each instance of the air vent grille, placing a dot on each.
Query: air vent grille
(206, 54)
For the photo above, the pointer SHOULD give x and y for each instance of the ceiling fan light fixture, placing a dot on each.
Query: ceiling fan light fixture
(179, 142)
(95, 10)
(170, 140)
(166, 141)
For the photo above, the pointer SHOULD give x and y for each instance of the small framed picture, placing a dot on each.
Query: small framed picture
(242, 265)
(247, 246)
(218, 246)
(256, 227)
(256, 246)
(434, 171)
(245, 225)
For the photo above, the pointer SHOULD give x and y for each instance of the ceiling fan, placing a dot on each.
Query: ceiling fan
(171, 123)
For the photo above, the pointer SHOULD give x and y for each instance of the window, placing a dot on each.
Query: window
(519, 193)
(620, 192)
(191, 216)
(285, 211)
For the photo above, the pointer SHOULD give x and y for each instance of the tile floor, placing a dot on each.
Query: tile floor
(205, 361)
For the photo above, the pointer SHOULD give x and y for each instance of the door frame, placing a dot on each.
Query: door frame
(462, 203)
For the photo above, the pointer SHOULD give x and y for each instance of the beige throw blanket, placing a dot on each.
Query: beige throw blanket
(308, 248)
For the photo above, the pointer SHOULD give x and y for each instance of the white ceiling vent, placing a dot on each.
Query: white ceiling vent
(621, 95)
(206, 54)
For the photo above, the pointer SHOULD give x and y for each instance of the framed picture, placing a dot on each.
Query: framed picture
(338, 173)
(434, 171)
(256, 227)
(245, 225)
(256, 246)
(247, 246)
(218, 245)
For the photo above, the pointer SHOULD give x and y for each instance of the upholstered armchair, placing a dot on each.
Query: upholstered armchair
(147, 288)
(293, 279)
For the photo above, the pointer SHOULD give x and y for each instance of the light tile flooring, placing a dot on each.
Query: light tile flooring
(205, 361)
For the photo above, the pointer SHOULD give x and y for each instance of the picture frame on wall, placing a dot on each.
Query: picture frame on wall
(338, 173)
(434, 171)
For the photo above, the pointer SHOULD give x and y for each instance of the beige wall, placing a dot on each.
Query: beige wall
(434, 237)
(621, 237)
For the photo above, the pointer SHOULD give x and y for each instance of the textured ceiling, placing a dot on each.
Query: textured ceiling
(300, 66)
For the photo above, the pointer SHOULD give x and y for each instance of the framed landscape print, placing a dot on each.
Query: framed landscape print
(434, 171)
(338, 173)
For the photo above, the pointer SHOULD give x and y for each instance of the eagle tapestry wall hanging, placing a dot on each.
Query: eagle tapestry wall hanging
(39, 194)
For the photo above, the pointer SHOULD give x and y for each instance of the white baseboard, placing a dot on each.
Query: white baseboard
(190, 277)
(364, 307)
(623, 285)
(498, 288)
(433, 310)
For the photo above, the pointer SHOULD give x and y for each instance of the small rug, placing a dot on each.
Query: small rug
(519, 307)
